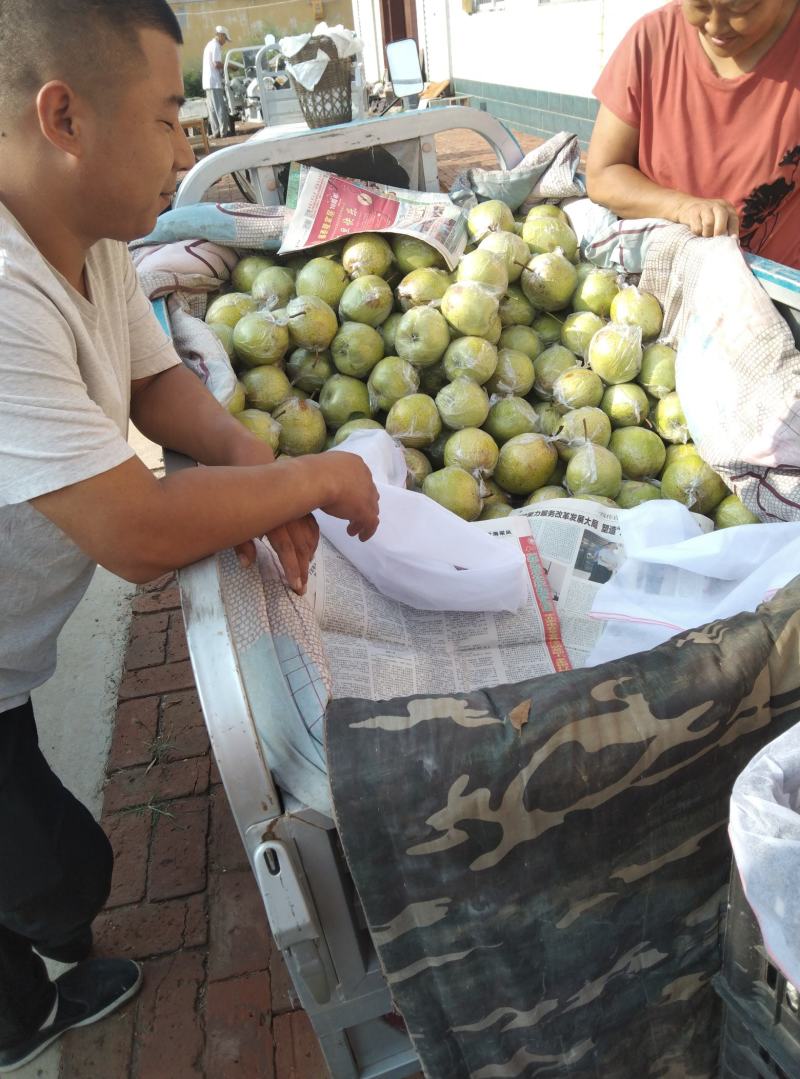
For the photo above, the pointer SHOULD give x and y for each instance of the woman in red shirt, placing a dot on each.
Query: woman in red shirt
(699, 122)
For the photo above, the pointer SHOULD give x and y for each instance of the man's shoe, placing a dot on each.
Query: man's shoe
(86, 993)
(74, 951)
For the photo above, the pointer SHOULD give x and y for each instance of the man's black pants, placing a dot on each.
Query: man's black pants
(55, 874)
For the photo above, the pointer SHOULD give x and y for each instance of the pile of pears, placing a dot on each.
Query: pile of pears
(523, 376)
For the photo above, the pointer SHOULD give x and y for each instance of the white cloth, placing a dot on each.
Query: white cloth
(309, 72)
(212, 55)
(66, 366)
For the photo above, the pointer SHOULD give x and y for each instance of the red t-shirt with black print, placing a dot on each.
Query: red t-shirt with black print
(737, 139)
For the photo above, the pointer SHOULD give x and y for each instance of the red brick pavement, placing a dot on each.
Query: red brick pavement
(217, 1000)
(460, 149)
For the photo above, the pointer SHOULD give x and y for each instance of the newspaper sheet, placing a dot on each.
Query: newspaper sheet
(327, 207)
(380, 648)
(579, 546)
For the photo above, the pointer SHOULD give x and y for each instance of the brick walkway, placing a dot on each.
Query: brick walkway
(458, 150)
(217, 1000)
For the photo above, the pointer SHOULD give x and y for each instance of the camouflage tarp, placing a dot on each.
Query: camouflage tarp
(548, 901)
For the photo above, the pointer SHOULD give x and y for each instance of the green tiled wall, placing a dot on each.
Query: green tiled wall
(534, 112)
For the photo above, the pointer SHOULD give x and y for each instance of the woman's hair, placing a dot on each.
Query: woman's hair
(93, 45)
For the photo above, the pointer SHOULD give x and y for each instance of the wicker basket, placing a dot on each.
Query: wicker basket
(330, 102)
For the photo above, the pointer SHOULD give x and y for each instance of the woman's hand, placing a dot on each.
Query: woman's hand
(708, 217)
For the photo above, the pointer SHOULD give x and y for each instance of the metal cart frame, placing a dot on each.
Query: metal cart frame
(265, 151)
(294, 851)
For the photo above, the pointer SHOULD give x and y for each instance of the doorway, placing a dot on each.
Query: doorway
(399, 19)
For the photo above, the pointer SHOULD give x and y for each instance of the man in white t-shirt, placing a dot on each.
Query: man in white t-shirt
(213, 83)
(86, 166)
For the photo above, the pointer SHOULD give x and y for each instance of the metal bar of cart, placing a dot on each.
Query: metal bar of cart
(272, 147)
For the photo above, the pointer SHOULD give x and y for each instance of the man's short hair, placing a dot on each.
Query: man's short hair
(91, 44)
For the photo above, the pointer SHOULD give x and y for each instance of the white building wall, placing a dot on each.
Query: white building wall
(559, 46)
(367, 25)
(432, 31)
(435, 40)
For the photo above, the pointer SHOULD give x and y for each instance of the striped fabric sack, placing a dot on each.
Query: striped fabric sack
(738, 371)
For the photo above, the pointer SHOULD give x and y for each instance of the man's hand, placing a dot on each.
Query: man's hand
(355, 500)
(708, 217)
(295, 543)
(355, 497)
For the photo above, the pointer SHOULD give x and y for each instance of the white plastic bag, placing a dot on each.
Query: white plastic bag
(674, 576)
(765, 835)
(309, 72)
(422, 554)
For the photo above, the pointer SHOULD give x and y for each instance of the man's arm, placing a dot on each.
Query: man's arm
(613, 179)
(140, 527)
(176, 410)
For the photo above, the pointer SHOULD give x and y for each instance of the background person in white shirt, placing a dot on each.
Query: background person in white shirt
(85, 167)
(213, 83)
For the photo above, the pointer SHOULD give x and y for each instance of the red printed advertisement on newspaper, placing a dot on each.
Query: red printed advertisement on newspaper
(347, 209)
(326, 207)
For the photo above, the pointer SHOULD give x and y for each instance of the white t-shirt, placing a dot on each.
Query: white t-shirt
(66, 366)
(212, 76)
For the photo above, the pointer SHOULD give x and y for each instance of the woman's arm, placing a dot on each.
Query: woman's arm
(614, 180)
